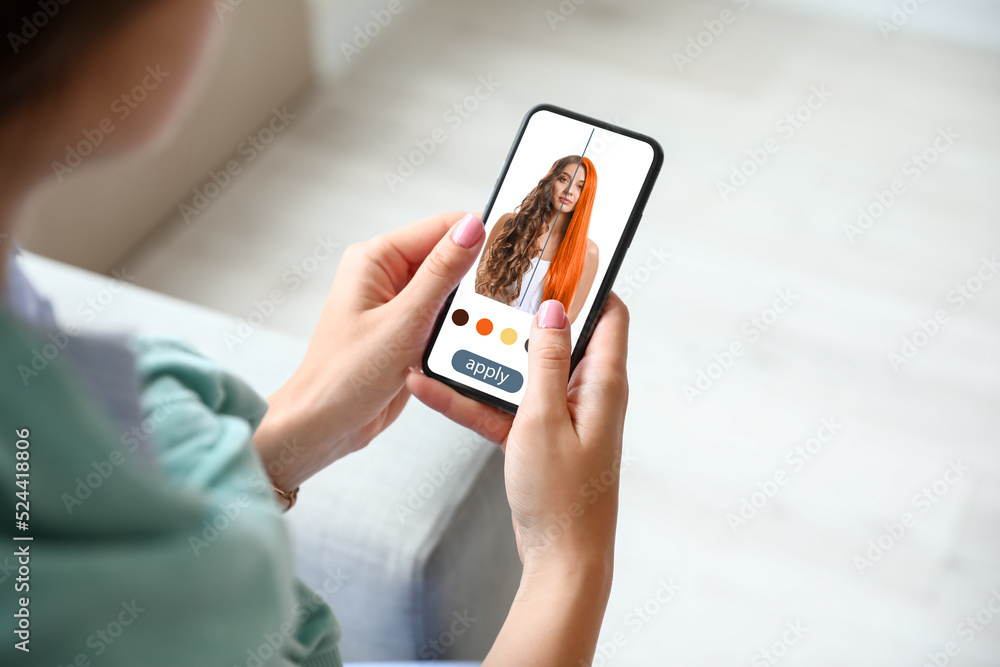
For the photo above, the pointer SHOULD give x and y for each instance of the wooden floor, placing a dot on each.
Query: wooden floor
(824, 438)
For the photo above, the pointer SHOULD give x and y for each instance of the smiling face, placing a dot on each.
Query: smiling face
(563, 194)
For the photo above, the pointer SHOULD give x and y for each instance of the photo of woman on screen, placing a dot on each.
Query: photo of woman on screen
(541, 251)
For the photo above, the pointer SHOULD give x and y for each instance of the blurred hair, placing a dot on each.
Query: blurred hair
(44, 38)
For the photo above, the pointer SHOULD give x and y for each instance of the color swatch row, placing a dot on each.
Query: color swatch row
(484, 327)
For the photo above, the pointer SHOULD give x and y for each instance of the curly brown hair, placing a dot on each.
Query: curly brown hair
(505, 262)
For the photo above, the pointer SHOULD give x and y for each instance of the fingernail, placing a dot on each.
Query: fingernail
(469, 229)
(551, 315)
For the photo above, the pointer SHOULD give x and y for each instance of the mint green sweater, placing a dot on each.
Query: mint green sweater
(156, 546)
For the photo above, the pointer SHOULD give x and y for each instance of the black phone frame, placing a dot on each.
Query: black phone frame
(624, 241)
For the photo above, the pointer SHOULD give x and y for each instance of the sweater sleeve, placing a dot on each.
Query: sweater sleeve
(179, 558)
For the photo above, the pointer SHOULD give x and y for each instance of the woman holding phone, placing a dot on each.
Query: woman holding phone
(128, 551)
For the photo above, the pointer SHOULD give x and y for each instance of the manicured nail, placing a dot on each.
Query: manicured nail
(469, 229)
(551, 315)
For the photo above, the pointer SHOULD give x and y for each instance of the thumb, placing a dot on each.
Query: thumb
(444, 266)
(549, 350)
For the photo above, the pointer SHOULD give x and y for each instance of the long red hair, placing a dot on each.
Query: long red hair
(567, 266)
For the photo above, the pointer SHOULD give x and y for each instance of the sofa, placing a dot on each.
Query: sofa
(409, 540)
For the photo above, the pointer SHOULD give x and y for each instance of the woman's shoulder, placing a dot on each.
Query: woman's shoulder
(593, 252)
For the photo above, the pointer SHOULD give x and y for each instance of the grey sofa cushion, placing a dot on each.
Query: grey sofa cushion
(411, 542)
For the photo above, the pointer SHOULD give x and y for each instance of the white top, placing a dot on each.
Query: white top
(532, 287)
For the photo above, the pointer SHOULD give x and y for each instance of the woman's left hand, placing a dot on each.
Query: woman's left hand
(375, 324)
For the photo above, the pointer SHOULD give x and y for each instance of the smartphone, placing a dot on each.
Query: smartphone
(562, 214)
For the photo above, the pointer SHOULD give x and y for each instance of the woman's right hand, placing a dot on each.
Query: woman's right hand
(563, 449)
(563, 452)
(562, 466)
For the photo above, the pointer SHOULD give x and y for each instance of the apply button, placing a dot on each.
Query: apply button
(487, 371)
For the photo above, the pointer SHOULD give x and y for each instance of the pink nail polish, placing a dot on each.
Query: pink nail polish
(551, 315)
(469, 229)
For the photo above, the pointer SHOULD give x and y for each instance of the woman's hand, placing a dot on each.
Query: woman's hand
(562, 466)
(375, 324)
(563, 450)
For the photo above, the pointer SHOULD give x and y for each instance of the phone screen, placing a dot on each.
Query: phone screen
(562, 214)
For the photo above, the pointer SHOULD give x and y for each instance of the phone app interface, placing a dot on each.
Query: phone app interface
(557, 220)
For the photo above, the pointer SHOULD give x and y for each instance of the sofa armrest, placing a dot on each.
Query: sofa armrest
(410, 539)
